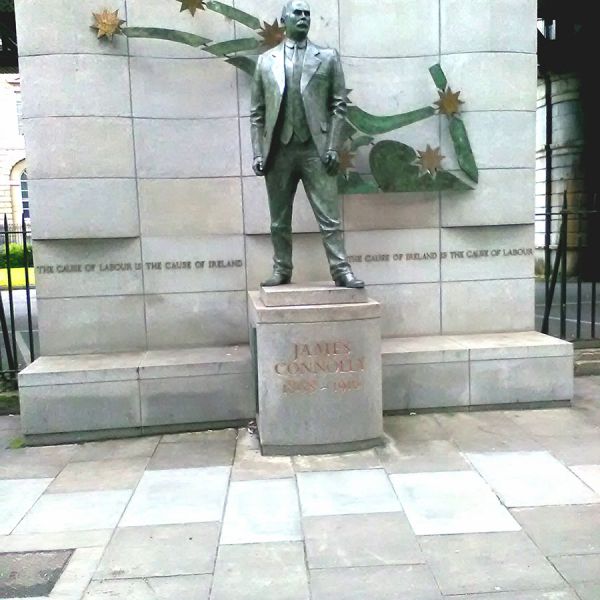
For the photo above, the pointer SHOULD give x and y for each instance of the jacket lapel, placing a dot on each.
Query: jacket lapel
(278, 55)
(311, 65)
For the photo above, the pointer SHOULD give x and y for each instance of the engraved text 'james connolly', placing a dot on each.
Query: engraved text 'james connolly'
(312, 362)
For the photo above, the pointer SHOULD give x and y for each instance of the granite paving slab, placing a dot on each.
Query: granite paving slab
(346, 492)
(589, 474)
(588, 591)
(193, 587)
(580, 449)
(554, 421)
(366, 459)
(78, 574)
(261, 572)
(531, 479)
(17, 496)
(417, 456)
(560, 530)
(360, 541)
(160, 551)
(77, 511)
(97, 475)
(213, 437)
(414, 427)
(178, 496)
(32, 463)
(61, 540)
(190, 455)
(451, 502)
(383, 583)
(578, 568)
(488, 562)
(250, 464)
(536, 595)
(489, 431)
(114, 449)
(262, 511)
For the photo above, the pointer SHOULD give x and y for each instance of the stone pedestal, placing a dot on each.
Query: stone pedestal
(318, 358)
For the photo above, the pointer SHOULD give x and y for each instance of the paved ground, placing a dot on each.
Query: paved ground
(500, 505)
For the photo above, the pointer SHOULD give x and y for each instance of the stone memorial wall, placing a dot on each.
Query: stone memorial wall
(150, 225)
(150, 228)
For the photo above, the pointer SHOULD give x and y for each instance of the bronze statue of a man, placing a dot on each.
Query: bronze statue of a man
(297, 117)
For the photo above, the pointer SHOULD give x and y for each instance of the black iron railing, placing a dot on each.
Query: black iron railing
(15, 263)
(572, 312)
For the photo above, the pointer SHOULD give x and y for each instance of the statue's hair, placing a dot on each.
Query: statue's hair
(286, 8)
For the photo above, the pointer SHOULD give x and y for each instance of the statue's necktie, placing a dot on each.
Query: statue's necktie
(295, 122)
(296, 68)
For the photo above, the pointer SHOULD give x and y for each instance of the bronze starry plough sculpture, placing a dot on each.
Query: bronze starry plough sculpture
(395, 167)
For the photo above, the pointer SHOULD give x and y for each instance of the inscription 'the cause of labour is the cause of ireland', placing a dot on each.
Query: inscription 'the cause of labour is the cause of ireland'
(196, 264)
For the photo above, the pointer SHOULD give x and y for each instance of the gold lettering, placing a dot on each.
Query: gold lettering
(321, 358)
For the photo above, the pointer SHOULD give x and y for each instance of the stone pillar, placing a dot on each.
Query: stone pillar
(318, 360)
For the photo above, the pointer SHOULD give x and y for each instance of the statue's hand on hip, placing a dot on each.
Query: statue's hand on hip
(332, 162)
(258, 166)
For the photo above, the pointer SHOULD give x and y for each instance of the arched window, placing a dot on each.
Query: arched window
(19, 191)
(25, 194)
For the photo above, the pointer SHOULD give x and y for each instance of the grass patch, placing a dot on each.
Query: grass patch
(18, 277)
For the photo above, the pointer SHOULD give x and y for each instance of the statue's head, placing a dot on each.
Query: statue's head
(296, 19)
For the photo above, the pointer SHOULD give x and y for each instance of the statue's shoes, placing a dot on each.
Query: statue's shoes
(349, 281)
(277, 279)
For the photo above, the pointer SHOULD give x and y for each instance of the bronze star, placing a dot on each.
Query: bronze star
(272, 35)
(107, 23)
(449, 102)
(429, 161)
(192, 5)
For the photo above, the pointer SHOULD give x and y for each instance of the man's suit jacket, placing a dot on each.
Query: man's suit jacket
(323, 92)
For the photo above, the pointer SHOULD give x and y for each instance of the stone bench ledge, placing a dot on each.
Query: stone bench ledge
(476, 347)
(81, 368)
(420, 350)
(521, 344)
(131, 366)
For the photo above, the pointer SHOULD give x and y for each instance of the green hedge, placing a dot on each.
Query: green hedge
(16, 256)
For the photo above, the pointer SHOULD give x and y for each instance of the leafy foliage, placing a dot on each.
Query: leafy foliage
(16, 255)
